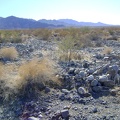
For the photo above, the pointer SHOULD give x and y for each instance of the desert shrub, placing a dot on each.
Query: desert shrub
(9, 53)
(107, 50)
(67, 46)
(34, 75)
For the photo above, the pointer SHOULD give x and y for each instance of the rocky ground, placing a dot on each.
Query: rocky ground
(90, 89)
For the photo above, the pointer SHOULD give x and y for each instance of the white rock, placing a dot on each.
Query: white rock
(33, 118)
(103, 78)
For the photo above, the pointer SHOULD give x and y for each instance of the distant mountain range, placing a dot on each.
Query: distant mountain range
(13, 22)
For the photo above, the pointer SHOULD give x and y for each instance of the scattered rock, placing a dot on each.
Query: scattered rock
(95, 110)
(94, 83)
(85, 64)
(33, 118)
(47, 89)
(109, 83)
(103, 78)
(97, 88)
(90, 78)
(65, 113)
(65, 91)
(82, 91)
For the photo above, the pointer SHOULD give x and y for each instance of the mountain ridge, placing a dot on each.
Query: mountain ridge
(12, 22)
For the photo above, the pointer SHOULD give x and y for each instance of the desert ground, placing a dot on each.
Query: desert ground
(60, 74)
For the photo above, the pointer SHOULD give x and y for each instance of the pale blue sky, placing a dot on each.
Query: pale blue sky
(107, 11)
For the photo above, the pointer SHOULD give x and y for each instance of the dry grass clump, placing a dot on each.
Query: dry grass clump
(34, 75)
(27, 80)
(107, 50)
(35, 69)
(8, 53)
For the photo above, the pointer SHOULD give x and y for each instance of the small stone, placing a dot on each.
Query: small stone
(103, 78)
(97, 88)
(33, 118)
(113, 92)
(40, 116)
(76, 71)
(65, 113)
(95, 110)
(71, 71)
(62, 96)
(90, 71)
(82, 74)
(106, 58)
(86, 65)
(75, 108)
(67, 107)
(65, 91)
(47, 89)
(94, 83)
(81, 90)
(90, 78)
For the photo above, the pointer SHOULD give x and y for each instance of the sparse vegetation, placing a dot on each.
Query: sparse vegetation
(83, 55)
(18, 36)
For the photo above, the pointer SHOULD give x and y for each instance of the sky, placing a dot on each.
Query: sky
(106, 11)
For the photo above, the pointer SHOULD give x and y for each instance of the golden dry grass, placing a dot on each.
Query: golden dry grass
(8, 53)
(35, 69)
(35, 74)
(26, 80)
(107, 50)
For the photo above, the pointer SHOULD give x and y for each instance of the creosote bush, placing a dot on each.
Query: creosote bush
(67, 47)
(9, 53)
